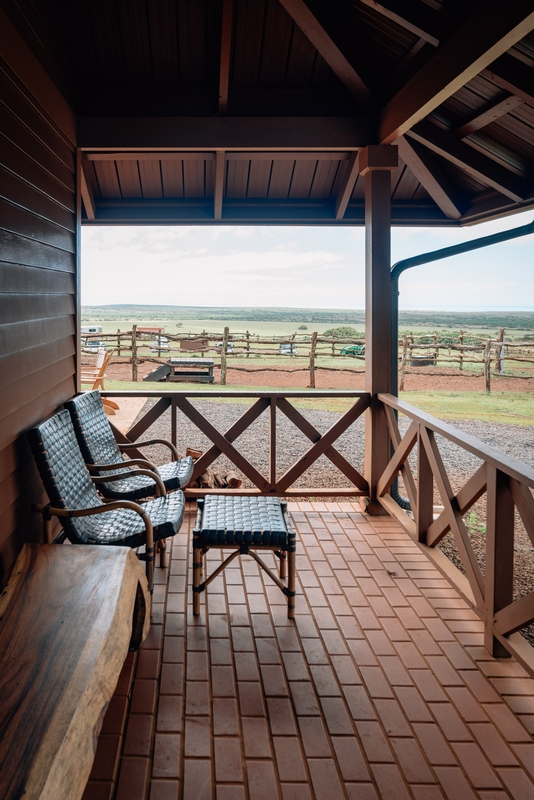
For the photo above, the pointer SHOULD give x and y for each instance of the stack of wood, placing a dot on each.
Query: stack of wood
(214, 478)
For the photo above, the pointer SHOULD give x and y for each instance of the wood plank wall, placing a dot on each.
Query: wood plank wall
(37, 292)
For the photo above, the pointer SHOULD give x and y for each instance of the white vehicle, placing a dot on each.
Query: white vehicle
(93, 344)
(288, 349)
(92, 329)
(162, 344)
(229, 346)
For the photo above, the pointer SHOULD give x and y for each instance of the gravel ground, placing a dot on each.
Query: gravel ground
(514, 440)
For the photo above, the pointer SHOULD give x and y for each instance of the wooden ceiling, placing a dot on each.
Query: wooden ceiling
(253, 111)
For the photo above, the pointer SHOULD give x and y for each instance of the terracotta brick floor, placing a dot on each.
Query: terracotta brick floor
(381, 687)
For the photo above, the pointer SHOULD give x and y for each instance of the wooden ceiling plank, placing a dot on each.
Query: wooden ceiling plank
(510, 74)
(486, 35)
(87, 193)
(420, 163)
(421, 21)
(489, 115)
(130, 155)
(218, 193)
(226, 49)
(347, 186)
(328, 49)
(476, 164)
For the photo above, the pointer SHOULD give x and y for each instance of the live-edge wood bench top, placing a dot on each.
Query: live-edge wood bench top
(67, 616)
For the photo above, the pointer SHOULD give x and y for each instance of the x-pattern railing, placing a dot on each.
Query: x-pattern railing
(222, 443)
(507, 485)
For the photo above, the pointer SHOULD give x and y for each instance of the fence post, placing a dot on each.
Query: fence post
(292, 343)
(461, 356)
(312, 359)
(487, 365)
(436, 348)
(203, 334)
(223, 356)
(248, 344)
(118, 342)
(134, 353)
(159, 344)
(499, 352)
(403, 362)
(333, 345)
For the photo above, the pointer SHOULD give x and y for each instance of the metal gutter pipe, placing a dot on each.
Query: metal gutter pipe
(416, 261)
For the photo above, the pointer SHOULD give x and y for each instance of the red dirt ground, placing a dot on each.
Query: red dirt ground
(417, 380)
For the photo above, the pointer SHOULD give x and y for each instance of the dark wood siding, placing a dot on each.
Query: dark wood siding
(37, 296)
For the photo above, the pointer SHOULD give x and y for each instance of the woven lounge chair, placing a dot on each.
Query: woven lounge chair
(102, 454)
(85, 517)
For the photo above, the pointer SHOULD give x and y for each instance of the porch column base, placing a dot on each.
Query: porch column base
(372, 507)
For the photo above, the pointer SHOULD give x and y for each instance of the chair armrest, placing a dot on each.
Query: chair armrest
(139, 462)
(168, 444)
(89, 512)
(161, 491)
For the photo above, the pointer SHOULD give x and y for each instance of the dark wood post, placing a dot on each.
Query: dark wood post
(312, 359)
(223, 356)
(376, 163)
(499, 589)
(134, 353)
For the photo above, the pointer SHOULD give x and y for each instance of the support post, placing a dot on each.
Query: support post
(376, 162)
(499, 555)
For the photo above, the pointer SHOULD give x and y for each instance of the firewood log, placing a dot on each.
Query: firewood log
(193, 453)
(233, 480)
(207, 480)
(220, 482)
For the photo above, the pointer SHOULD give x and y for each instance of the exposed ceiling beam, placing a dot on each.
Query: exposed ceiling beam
(490, 114)
(226, 47)
(203, 155)
(428, 173)
(220, 164)
(328, 49)
(514, 76)
(481, 167)
(421, 21)
(486, 35)
(347, 186)
(86, 191)
(225, 133)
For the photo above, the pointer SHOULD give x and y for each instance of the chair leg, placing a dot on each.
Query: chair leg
(197, 572)
(291, 582)
(162, 547)
(283, 563)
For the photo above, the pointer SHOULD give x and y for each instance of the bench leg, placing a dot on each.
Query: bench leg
(283, 563)
(197, 572)
(291, 581)
(162, 547)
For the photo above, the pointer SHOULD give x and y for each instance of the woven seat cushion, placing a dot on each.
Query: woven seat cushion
(98, 446)
(174, 474)
(243, 520)
(69, 485)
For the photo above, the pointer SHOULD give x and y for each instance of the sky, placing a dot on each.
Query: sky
(299, 267)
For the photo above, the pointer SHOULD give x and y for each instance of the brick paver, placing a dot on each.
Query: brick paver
(381, 688)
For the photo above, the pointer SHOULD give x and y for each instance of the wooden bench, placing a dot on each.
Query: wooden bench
(68, 617)
(191, 370)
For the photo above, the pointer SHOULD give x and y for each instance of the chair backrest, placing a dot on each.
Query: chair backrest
(96, 439)
(100, 357)
(63, 471)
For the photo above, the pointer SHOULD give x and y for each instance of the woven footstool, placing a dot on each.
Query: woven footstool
(246, 525)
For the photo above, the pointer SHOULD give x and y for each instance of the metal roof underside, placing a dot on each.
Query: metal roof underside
(253, 111)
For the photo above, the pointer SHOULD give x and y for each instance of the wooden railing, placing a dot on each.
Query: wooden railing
(222, 442)
(506, 485)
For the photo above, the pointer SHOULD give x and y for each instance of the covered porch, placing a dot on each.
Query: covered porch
(396, 678)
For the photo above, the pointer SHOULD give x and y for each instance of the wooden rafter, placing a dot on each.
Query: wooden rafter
(87, 192)
(476, 164)
(485, 36)
(419, 161)
(226, 48)
(421, 21)
(218, 193)
(328, 49)
(514, 76)
(347, 186)
(490, 114)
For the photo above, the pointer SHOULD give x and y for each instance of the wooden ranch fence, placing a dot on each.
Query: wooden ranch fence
(482, 356)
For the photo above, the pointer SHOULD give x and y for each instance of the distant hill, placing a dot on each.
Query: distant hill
(455, 319)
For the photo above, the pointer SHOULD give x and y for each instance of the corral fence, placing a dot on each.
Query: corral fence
(481, 356)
